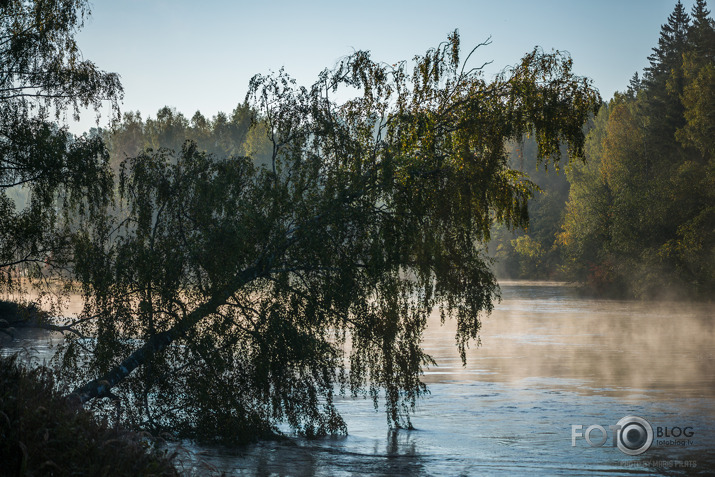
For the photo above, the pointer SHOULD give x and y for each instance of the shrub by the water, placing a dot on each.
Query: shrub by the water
(43, 433)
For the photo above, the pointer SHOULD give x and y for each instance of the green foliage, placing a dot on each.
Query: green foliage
(586, 225)
(42, 72)
(43, 434)
(533, 252)
(240, 134)
(640, 213)
(225, 292)
(699, 103)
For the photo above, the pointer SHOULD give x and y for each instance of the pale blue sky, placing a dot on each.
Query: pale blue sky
(200, 55)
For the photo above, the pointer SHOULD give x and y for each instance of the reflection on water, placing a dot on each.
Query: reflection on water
(549, 360)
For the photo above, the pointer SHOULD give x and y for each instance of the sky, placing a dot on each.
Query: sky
(201, 55)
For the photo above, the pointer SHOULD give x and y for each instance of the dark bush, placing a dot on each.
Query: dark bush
(43, 433)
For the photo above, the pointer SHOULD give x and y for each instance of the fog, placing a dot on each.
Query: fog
(593, 346)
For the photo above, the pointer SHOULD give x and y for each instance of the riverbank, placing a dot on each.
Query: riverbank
(44, 434)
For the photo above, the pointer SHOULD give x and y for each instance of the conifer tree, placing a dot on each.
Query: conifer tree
(701, 35)
(667, 56)
(664, 83)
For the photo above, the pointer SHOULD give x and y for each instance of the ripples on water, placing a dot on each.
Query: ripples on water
(549, 359)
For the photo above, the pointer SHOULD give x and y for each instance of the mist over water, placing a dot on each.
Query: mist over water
(549, 359)
(547, 331)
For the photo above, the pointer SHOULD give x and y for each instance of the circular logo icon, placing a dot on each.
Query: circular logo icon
(635, 435)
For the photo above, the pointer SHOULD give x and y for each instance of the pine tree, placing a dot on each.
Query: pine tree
(671, 45)
(634, 85)
(701, 35)
(698, 96)
(663, 86)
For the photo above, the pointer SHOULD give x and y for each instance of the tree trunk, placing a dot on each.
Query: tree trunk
(101, 387)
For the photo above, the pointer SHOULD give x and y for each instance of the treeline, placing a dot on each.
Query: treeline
(533, 252)
(242, 133)
(637, 218)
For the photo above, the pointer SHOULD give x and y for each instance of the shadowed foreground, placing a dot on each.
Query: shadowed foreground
(42, 434)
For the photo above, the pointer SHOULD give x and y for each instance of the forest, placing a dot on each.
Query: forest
(634, 219)
(637, 217)
(242, 271)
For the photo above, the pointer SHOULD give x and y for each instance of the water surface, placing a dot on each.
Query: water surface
(549, 359)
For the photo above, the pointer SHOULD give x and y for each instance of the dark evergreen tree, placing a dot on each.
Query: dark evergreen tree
(667, 56)
(701, 35)
(634, 85)
(664, 81)
(698, 96)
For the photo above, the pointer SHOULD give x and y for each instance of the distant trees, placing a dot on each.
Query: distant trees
(533, 252)
(639, 217)
(641, 213)
(226, 297)
(43, 75)
(587, 221)
(242, 133)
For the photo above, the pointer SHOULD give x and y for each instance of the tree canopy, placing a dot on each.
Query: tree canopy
(43, 76)
(241, 133)
(228, 297)
(641, 216)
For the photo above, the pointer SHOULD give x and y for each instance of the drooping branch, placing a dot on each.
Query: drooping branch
(101, 387)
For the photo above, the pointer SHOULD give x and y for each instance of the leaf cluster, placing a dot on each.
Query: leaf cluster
(46, 174)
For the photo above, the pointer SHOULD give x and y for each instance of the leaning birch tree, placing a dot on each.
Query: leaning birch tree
(224, 299)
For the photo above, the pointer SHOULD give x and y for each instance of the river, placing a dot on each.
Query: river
(553, 367)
